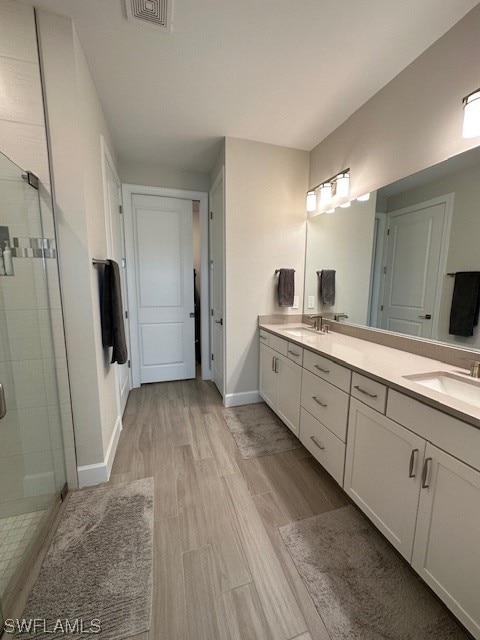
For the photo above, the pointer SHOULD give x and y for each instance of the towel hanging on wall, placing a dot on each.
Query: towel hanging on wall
(326, 286)
(113, 328)
(286, 287)
(465, 303)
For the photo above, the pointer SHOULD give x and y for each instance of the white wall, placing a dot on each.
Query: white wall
(76, 124)
(342, 241)
(153, 175)
(23, 140)
(265, 230)
(413, 122)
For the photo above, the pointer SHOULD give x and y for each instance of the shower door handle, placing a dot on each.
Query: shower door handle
(3, 404)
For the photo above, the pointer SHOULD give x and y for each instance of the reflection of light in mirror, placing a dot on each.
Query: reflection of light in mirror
(364, 198)
(311, 201)
(330, 210)
(345, 205)
(471, 115)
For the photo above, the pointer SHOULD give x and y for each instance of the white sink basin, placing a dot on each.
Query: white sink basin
(455, 385)
(301, 333)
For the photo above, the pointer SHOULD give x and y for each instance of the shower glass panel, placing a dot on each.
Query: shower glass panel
(32, 460)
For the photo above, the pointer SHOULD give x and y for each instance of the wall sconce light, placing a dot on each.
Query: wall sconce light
(311, 201)
(471, 115)
(364, 198)
(337, 187)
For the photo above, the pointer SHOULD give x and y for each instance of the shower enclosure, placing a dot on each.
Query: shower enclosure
(32, 460)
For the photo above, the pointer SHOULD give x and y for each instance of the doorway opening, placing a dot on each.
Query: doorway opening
(197, 286)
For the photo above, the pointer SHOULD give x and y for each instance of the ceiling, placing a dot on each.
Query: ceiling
(275, 71)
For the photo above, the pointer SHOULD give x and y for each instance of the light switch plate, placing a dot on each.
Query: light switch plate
(295, 302)
(311, 302)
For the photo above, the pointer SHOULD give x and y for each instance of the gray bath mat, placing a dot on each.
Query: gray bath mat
(360, 587)
(258, 431)
(99, 566)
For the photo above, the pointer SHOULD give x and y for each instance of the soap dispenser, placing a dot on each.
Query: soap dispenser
(7, 259)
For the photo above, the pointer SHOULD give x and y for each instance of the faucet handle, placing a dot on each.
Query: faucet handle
(475, 369)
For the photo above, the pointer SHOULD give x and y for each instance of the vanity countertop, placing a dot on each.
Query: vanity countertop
(384, 364)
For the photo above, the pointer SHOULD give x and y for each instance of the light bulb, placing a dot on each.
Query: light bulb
(343, 185)
(364, 198)
(471, 115)
(311, 201)
(325, 193)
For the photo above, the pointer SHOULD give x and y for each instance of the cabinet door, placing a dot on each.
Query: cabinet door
(289, 381)
(447, 546)
(382, 474)
(268, 377)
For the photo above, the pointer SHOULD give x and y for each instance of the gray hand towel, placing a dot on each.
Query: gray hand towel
(326, 289)
(113, 329)
(465, 303)
(286, 287)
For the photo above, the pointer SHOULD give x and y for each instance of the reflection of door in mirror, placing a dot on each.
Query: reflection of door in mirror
(411, 288)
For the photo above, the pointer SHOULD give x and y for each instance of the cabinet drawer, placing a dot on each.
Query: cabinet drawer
(279, 344)
(323, 445)
(263, 336)
(369, 392)
(295, 353)
(326, 403)
(328, 370)
(460, 439)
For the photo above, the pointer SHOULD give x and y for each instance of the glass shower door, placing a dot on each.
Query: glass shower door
(32, 461)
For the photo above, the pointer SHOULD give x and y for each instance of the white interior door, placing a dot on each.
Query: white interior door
(116, 251)
(217, 281)
(413, 262)
(163, 246)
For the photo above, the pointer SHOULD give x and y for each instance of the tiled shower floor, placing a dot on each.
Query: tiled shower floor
(16, 533)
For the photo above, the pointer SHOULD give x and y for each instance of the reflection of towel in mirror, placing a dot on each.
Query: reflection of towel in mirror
(113, 328)
(286, 287)
(465, 303)
(326, 286)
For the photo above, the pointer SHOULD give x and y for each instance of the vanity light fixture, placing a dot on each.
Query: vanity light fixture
(331, 191)
(364, 198)
(471, 115)
(311, 201)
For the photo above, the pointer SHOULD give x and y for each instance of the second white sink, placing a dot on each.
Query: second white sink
(455, 385)
(300, 332)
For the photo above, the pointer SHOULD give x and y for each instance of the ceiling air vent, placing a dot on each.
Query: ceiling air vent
(150, 13)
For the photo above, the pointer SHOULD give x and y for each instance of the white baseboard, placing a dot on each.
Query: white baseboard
(91, 474)
(238, 399)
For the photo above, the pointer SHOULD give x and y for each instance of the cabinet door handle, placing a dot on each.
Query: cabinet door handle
(367, 393)
(294, 353)
(322, 404)
(411, 468)
(320, 369)
(312, 438)
(426, 467)
(273, 363)
(3, 404)
(276, 365)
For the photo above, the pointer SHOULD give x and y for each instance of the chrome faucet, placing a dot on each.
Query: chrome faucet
(475, 370)
(317, 322)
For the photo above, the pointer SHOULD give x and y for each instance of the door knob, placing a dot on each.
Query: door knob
(219, 321)
(428, 316)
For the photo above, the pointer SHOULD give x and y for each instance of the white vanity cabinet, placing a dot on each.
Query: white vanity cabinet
(281, 383)
(383, 473)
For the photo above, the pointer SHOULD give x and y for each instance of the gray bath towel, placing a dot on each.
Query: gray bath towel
(326, 286)
(286, 287)
(113, 329)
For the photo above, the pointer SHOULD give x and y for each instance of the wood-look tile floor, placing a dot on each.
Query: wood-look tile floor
(221, 571)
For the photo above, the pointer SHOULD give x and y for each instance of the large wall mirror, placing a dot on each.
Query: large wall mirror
(396, 255)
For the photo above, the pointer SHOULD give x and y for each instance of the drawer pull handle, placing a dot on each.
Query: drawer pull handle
(294, 353)
(312, 438)
(411, 468)
(320, 369)
(322, 404)
(367, 393)
(426, 467)
(263, 337)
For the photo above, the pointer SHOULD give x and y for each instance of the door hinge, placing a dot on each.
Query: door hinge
(388, 232)
(211, 264)
(120, 208)
(211, 312)
(381, 308)
(126, 314)
(213, 357)
(384, 270)
(211, 215)
(129, 364)
(63, 492)
(124, 263)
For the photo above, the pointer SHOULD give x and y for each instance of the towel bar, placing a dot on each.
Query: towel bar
(96, 261)
(278, 271)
